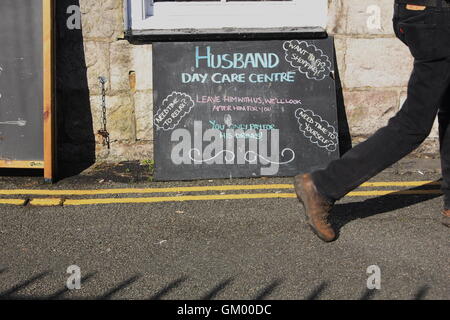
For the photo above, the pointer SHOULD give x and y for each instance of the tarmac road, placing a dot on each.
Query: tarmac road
(226, 249)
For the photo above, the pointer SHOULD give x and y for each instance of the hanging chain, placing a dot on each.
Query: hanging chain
(104, 132)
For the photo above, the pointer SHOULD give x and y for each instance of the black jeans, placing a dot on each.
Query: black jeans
(427, 34)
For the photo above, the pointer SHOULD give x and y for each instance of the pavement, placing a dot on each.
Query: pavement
(134, 238)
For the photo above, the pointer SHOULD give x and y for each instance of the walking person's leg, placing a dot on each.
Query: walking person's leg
(404, 132)
(444, 142)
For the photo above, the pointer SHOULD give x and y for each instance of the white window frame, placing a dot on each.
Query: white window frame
(147, 15)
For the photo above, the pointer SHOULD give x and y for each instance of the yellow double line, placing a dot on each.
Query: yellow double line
(56, 195)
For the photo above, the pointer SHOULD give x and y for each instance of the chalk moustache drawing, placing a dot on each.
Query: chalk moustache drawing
(218, 154)
(246, 156)
(317, 130)
(263, 159)
(19, 123)
(173, 109)
(307, 59)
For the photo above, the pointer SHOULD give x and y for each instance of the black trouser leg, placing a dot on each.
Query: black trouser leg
(444, 142)
(404, 132)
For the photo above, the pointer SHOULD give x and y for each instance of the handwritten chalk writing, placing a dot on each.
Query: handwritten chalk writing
(19, 123)
(241, 108)
(174, 108)
(282, 101)
(208, 99)
(244, 126)
(259, 100)
(308, 59)
(190, 149)
(242, 135)
(249, 128)
(216, 100)
(317, 130)
(238, 77)
(227, 78)
(236, 60)
(195, 77)
(272, 77)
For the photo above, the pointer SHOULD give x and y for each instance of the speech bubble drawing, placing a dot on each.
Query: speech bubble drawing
(317, 130)
(174, 108)
(308, 59)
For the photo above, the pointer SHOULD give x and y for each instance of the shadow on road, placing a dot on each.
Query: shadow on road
(11, 294)
(422, 292)
(217, 289)
(265, 292)
(170, 287)
(347, 212)
(110, 293)
(317, 291)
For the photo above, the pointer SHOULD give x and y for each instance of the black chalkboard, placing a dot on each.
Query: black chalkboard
(243, 108)
(21, 81)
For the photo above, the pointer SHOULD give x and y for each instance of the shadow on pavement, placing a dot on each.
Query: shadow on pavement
(110, 293)
(317, 291)
(265, 292)
(12, 293)
(368, 294)
(170, 287)
(216, 290)
(347, 212)
(422, 292)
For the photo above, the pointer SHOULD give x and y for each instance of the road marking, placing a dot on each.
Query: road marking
(46, 202)
(78, 202)
(195, 189)
(392, 192)
(143, 190)
(74, 202)
(15, 202)
(401, 184)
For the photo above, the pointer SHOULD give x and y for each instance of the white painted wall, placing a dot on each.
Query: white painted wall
(146, 15)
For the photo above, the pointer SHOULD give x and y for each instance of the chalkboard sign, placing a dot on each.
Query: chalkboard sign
(25, 84)
(243, 108)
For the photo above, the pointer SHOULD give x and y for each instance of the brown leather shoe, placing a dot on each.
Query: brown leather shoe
(446, 218)
(317, 208)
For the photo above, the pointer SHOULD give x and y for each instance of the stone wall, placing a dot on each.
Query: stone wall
(127, 68)
(374, 68)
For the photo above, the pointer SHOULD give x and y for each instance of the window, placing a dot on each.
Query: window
(220, 14)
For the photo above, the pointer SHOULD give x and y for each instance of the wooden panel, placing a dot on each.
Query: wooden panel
(22, 164)
(49, 146)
